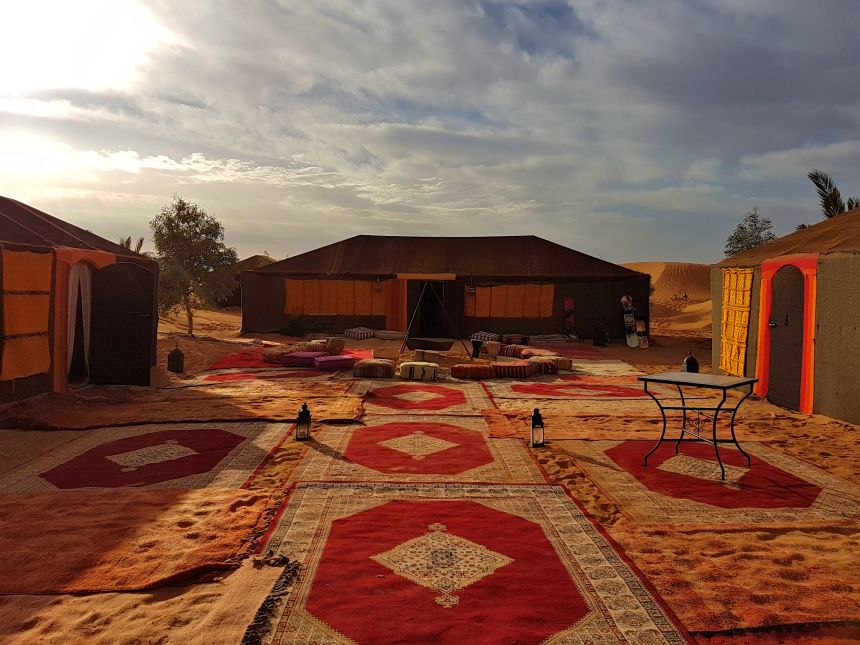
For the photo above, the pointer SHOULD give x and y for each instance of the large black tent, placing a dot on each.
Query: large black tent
(515, 284)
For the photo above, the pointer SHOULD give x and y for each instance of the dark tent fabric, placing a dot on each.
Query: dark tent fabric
(457, 266)
(522, 256)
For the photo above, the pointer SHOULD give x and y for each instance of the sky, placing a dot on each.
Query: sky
(629, 130)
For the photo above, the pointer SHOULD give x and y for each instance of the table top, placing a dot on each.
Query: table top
(697, 379)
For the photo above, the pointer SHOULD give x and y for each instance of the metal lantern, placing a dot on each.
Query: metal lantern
(690, 363)
(303, 424)
(176, 360)
(537, 437)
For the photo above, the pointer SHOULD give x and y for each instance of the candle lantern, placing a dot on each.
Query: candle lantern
(303, 424)
(690, 363)
(537, 436)
(176, 360)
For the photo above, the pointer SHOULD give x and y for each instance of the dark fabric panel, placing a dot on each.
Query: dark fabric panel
(524, 256)
(837, 338)
(22, 388)
(263, 300)
(122, 322)
(716, 278)
(337, 324)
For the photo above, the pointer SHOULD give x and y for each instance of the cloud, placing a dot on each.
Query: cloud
(797, 162)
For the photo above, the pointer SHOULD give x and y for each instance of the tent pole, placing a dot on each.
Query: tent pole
(451, 320)
(414, 314)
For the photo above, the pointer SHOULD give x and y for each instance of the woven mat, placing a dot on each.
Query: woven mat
(445, 558)
(416, 448)
(151, 456)
(399, 397)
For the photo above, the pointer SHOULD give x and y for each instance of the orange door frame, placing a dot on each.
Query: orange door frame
(808, 265)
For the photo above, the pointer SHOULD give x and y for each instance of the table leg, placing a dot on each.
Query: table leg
(663, 433)
(684, 421)
(717, 445)
(732, 426)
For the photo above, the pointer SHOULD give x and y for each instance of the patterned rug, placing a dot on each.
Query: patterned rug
(252, 374)
(622, 388)
(248, 357)
(432, 398)
(416, 448)
(612, 367)
(686, 488)
(152, 456)
(448, 563)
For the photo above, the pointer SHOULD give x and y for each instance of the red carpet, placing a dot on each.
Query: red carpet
(264, 375)
(249, 357)
(358, 354)
(687, 489)
(417, 397)
(448, 563)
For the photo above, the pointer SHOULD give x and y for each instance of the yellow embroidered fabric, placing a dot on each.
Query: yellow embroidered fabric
(734, 327)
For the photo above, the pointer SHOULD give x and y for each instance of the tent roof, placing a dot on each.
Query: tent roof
(22, 224)
(253, 262)
(520, 256)
(840, 234)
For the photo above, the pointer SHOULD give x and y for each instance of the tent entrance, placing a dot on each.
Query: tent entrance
(79, 371)
(786, 338)
(123, 294)
(431, 314)
(78, 333)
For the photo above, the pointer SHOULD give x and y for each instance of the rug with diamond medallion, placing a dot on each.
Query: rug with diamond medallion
(152, 456)
(429, 398)
(416, 448)
(686, 487)
(454, 563)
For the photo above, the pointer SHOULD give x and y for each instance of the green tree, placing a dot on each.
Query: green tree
(754, 230)
(125, 242)
(829, 196)
(196, 266)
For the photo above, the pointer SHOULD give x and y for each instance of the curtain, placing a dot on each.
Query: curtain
(80, 281)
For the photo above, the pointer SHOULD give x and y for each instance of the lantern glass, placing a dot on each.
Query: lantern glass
(303, 430)
(537, 435)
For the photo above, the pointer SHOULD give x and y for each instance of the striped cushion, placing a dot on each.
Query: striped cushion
(419, 371)
(359, 333)
(513, 350)
(317, 346)
(334, 345)
(373, 368)
(543, 365)
(485, 336)
(472, 370)
(513, 369)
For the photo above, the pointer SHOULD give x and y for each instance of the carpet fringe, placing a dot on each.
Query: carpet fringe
(262, 622)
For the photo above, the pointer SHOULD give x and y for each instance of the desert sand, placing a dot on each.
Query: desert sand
(792, 582)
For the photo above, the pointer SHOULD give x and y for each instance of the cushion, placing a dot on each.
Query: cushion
(513, 369)
(373, 368)
(419, 371)
(419, 354)
(492, 347)
(562, 362)
(317, 346)
(332, 363)
(485, 336)
(359, 333)
(334, 345)
(300, 359)
(472, 371)
(389, 335)
(543, 365)
(528, 352)
(513, 350)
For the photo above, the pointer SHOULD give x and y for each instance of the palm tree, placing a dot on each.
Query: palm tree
(125, 242)
(829, 195)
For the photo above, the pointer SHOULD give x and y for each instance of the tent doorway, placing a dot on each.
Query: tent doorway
(123, 294)
(431, 315)
(78, 363)
(786, 338)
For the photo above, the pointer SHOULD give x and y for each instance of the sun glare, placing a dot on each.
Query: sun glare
(85, 44)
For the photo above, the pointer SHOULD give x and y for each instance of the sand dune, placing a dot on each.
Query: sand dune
(671, 314)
